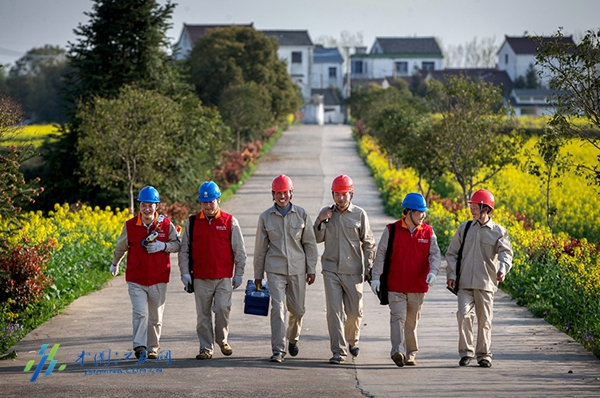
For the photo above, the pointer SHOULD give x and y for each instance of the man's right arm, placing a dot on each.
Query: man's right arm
(183, 256)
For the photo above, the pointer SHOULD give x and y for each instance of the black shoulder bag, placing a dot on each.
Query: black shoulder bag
(190, 286)
(459, 259)
(383, 285)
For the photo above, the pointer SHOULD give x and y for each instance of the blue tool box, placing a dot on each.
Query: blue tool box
(257, 301)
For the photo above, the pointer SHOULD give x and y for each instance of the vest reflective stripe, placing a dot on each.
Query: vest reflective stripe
(144, 268)
(409, 264)
(211, 253)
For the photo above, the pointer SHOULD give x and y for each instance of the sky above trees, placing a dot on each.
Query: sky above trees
(25, 24)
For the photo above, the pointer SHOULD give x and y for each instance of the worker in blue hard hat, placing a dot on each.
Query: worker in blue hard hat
(407, 263)
(212, 261)
(147, 238)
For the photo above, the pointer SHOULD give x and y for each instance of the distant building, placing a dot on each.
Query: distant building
(191, 33)
(327, 68)
(516, 54)
(392, 57)
(296, 47)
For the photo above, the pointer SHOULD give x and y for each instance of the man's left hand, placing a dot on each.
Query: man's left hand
(310, 278)
(237, 281)
(431, 278)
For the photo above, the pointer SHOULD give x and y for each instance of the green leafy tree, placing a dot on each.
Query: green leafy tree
(475, 136)
(245, 109)
(123, 43)
(237, 55)
(127, 141)
(573, 72)
(14, 190)
(204, 136)
(551, 169)
(36, 82)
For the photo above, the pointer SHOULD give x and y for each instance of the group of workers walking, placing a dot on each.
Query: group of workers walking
(400, 269)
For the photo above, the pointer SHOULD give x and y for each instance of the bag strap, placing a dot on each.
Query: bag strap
(460, 252)
(190, 246)
(383, 287)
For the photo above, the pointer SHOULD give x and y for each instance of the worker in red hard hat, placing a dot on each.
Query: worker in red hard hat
(485, 259)
(346, 262)
(286, 249)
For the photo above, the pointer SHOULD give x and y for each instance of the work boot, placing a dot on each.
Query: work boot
(464, 361)
(226, 349)
(139, 351)
(398, 359)
(293, 349)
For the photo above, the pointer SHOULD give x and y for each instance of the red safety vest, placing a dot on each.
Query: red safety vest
(142, 267)
(409, 264)
(211, 252)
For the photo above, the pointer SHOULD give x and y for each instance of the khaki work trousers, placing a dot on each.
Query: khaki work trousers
(475, 303)
(148, 304)
(212, 295)
(405, 312)
(344, 301)
(287, 296)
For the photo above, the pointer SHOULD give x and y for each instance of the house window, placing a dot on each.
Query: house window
(357, 67)
(333, 72)
(427, 66)
(506, 59)
(402, 67)
(296, 57)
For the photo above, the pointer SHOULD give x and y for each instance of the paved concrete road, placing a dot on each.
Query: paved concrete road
(531, 358)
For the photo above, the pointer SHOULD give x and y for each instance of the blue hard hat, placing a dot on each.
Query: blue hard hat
(149, 194)
(414, 201)
(208, 192)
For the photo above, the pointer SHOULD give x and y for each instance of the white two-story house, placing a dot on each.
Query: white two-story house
(327, 68)
(392, 57)
(515, 56)
(296, 47)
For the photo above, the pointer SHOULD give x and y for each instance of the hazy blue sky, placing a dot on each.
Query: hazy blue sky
(25, 24)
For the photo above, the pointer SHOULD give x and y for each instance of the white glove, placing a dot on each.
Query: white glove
(237, 281)
(431, 278)
(155, 247)
(114, 270)
(185, 279)
(375, 287)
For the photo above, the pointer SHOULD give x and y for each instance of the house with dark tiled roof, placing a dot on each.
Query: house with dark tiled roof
(296, 47)
(516, 54)
(191, 33)
(397, 57)
(327, 68)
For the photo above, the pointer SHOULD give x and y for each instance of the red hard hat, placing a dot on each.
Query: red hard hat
(282, 183)
(482, 197)
(342, 184)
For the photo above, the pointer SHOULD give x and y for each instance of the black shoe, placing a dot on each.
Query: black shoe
(464, 361)
(354, 350)
(484, 363)
(293, 349)
(139, 351)
(398, 359)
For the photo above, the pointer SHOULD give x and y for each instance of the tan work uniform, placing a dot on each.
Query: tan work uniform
(348, 256)
(285, 248)
(213, 295)
(486, 251)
